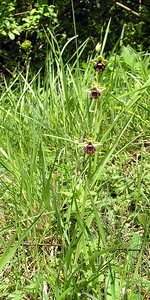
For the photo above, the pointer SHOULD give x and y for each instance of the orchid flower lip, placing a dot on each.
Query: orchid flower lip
(89, 149)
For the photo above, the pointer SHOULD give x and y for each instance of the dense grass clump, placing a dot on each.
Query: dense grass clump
(75, 225)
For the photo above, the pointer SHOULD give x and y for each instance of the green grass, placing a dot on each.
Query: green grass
(96, 207)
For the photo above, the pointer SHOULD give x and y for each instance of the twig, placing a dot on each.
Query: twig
(128, 9)
(142, 17)
(126, 249)
(60, 245)
(22, 13)
(42, 245)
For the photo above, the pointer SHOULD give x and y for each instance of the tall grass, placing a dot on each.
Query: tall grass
(73, 225)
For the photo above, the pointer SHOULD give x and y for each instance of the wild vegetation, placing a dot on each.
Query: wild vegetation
(24, 25)
(74, 165)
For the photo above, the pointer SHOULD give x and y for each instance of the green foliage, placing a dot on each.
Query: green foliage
(40, 17)
(16, 28)
(32, 20)
(9, 26)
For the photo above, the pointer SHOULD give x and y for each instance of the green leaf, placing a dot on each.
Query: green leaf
(11, 35)
(90, 296)
(144, 219)
(8, 253)
(99, 224)
(62, 296)
(15, 31)
(3, 32)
